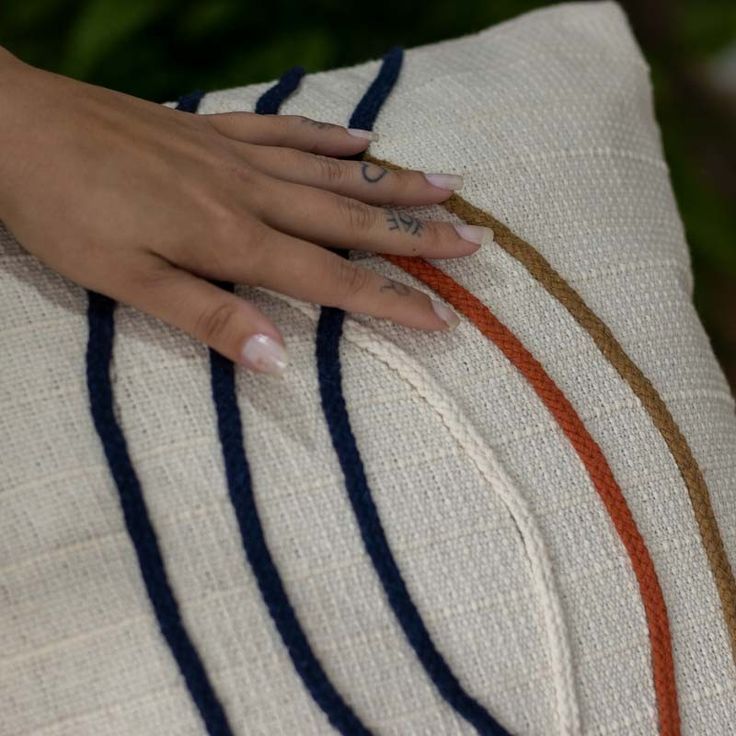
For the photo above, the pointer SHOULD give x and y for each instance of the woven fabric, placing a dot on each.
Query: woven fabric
(556, 538)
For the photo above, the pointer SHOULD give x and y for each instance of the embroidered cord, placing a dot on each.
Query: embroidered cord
(270, 101)
(483, 457)
(329, 330)
(190, 102)
(660, 416)
(101, 335)
(230, 431)
(663, 672)
(370, 104)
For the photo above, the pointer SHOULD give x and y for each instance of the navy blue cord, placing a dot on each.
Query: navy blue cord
(101, 335)
(329, 332)
(270, 101)
(230, 428)
(366, 111)
(190, 102)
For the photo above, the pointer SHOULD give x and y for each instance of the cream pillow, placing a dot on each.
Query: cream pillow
(523, 526)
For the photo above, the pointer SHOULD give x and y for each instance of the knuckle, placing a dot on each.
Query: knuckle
(239, 245)
(330, 170)
(352, 278)
(215, 323)
(260, 192)
(153, 277)
(316, 124)
(149, 275)
(359, 216)
(283, 128)
(296, 125)
(224, 224)
(245, 174)
(311, 132)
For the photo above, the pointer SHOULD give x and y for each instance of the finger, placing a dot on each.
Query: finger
(225, 322)
(305, 271)
(291, 131)
(331, 219)
(361, 180)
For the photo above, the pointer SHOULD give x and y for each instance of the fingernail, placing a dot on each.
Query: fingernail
(262, 353)
(473, 233)
(445, 314)
(445, 181)
(358, 133)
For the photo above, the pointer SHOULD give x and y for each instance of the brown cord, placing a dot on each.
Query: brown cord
(552, 281)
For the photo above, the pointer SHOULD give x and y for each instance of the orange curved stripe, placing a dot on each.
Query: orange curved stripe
(663, 672)
(652, 403)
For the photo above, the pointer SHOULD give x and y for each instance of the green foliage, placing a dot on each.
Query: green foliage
(707, 26)
(101, 30)
(157, 48)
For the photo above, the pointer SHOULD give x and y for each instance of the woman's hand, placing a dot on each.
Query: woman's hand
(143, 203)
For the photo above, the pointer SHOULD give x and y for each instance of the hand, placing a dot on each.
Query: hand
(144, 203)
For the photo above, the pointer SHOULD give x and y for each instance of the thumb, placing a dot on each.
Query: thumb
(228, 324)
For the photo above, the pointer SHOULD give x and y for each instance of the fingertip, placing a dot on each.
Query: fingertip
(449, 319)
(431, 315)
(436, 196)
(446, 182)
(366, 135)
(264, 352)
(474, 233)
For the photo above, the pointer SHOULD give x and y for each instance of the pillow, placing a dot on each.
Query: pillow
(522, 526)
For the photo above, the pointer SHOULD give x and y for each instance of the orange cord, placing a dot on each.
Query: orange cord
(663, 672)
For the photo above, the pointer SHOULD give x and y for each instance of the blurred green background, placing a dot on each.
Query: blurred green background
(159, 49)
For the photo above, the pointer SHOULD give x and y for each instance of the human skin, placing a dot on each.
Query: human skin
(144, 204)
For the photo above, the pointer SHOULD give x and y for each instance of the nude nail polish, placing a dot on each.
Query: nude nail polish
(445, 314)
(262, 353)
(473, 233)
(359, 133)
(445, 181)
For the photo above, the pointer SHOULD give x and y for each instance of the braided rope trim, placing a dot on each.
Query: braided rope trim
(275, 597)
(641, 386)
(138, 523)
(373, 535)
(491, 469)
(306, 663)
(329, 371)
(595, 463)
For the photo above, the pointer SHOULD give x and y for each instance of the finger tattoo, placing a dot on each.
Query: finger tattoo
(403, 221)
(372, 172)
(317, 123)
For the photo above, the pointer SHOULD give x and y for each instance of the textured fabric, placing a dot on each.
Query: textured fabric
(513, 560)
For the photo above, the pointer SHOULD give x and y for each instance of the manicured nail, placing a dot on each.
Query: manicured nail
(445, 181)
(262, 353)
(358, 133)
(445, 314)
(473, 233)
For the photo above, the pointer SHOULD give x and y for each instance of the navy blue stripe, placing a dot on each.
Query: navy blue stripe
(329, 331)
(270, 101)
(239, 482)
(101, 326)
(190, 102)
(366, 111)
